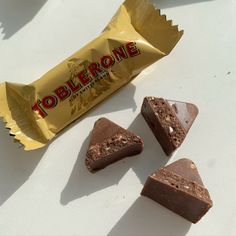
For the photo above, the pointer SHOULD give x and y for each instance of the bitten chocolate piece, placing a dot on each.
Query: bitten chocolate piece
(169, 120)
(110, 143)
(179, 188)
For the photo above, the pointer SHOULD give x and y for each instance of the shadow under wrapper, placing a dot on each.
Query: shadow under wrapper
(162, 4)
(15, 14)
(16, 165)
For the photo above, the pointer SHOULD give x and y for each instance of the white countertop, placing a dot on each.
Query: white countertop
(50, 192)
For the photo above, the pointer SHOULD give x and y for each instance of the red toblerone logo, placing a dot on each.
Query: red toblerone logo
(84, 77)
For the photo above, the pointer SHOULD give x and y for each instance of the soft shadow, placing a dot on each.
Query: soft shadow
(16, 165)
(82, 182)
(152, 157)
(146, 217)
(14, 14)
(162, 4)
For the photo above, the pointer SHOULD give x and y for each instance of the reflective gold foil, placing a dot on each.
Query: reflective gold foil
(137, 36)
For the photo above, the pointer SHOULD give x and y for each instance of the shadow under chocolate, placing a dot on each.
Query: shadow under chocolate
(83, 183)
(146, 217)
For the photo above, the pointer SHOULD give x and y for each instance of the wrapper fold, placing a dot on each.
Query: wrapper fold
(137, 36)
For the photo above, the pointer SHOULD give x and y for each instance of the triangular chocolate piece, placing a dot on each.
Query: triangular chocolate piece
(110, 143)
(169, 120)
(179, 188)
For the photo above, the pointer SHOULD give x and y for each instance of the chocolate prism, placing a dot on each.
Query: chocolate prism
(169, 120)
(110, 143)
(179, 188)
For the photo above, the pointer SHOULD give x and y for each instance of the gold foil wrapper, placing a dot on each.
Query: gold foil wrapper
(137, 36)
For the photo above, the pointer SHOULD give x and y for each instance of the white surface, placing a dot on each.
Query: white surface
(49, 191)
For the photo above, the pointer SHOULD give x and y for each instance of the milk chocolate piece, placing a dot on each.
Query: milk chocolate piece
(179, 188)
(169, 120)
(110, 143)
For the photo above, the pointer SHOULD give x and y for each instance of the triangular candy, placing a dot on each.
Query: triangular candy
(110, 143)
(169, 120)
(179, 188)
